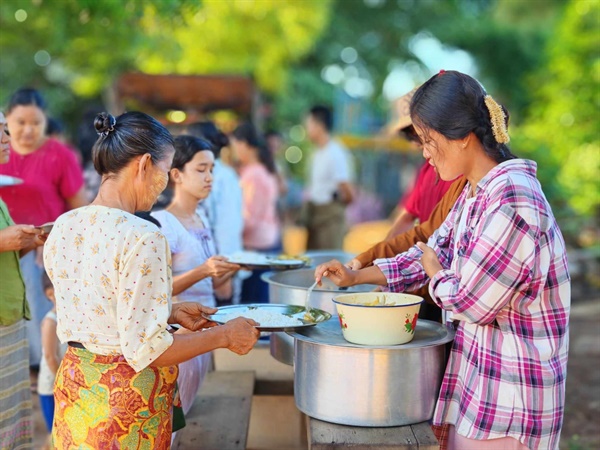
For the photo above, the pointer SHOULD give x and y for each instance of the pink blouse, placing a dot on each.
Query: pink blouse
(50, 176)
(259, 191)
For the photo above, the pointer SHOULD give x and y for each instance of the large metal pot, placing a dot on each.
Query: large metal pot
(343, 383)
(290, 287)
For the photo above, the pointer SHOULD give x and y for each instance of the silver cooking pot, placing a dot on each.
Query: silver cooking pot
(290, 287)
(349, 384)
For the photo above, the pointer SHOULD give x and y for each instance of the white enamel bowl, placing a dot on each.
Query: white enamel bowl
(391, 324)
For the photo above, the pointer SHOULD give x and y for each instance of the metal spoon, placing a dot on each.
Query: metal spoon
(307, 313)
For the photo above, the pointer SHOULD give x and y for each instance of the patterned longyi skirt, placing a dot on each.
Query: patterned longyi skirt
(102, 403)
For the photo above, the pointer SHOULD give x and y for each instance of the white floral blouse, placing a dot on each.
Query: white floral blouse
(111, 273)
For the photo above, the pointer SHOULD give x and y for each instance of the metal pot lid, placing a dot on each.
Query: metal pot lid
(427, 334)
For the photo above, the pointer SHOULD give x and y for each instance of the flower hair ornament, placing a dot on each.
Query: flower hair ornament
(498, 119)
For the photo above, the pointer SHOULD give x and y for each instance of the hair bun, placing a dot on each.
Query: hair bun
(104, 123)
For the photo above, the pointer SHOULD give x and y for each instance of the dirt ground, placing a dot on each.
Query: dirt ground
(581, 430)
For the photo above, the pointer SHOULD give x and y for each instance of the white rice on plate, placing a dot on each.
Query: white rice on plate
(267, 319)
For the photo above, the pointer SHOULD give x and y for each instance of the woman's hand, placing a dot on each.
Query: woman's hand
(241, 335)
(192, 316)
(429, 260)
(20, 237)
(218, 266)
(354, 264)
(341, 275)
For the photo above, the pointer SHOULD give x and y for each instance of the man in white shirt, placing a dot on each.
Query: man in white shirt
(330, 189)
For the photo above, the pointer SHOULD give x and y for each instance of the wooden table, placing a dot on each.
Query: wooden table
(220, 415)
(329, 436)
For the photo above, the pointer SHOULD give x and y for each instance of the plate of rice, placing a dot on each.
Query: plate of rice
(257, 261)
(273, 317)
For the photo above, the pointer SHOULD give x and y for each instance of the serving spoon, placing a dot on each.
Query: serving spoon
(308, 310)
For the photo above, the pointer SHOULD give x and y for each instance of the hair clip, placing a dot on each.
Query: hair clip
(442, 72)
(498, 120)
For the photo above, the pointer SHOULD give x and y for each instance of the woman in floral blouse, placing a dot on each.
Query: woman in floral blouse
(112, 277)
(498, 264)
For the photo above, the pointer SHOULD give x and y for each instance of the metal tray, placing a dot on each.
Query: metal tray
(252, 261)
(295, 311)
(427, 334)
(7, 180)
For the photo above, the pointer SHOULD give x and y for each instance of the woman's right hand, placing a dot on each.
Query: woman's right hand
(241, 335)
(340, 274)
(218, 266)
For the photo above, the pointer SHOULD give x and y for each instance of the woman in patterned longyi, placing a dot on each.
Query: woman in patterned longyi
(112, 277)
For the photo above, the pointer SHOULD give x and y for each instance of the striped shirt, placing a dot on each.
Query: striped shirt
(506, 281)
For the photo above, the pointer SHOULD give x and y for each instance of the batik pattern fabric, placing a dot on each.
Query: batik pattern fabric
(505, 279)
(16, 423)
(104, 403)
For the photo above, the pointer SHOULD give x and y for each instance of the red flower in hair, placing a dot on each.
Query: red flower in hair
(442, 72)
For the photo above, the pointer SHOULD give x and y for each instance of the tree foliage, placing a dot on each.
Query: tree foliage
(261, 39)
(91, 41)
(562, 130)
(72, 48)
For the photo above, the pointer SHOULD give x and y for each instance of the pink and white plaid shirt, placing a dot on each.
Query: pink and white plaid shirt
(506, 281)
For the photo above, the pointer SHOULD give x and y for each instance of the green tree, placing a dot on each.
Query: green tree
(81, 45)
(562, 130)
(261, 39)
(73, 48)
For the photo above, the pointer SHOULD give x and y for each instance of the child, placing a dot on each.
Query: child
(52, 353)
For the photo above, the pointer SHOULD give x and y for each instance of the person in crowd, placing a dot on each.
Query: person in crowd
(428, 189)
(262, 229)
(197, 270)
(112, 279)
(52, 353)
(498, 264)
(223, 207)
(55, 129)
(52, 184)
(274, 143)
(330, 188)
(16, 425)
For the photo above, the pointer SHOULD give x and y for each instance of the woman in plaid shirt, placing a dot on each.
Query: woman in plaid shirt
(497, 266)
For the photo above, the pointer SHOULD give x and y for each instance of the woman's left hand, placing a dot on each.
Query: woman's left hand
(192, 315)
(429, 260)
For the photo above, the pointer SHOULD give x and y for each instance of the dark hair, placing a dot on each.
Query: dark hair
(185, 149)
(147, 215)
(272, 133)
(323, 115)
(410, 134)
(453, 104)
(26, 97)
(54, 126)
(129, 135)
(209, 131)
(46, 283)
(247, 133)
